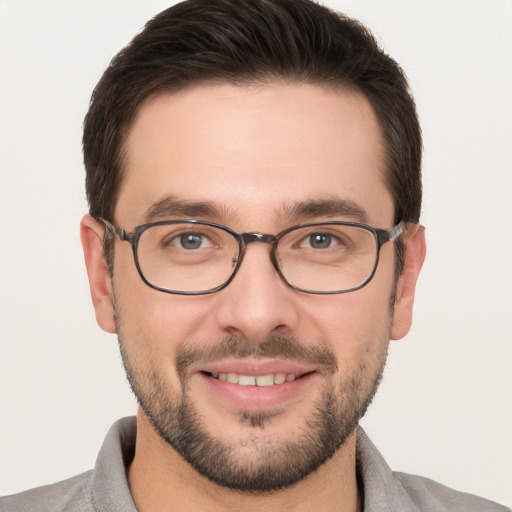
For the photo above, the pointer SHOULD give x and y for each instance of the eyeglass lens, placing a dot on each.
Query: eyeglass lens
(186, 257)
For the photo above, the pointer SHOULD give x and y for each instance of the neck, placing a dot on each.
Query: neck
(161, 480)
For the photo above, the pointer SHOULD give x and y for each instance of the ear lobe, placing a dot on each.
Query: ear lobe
(91, 234)
(415, 251)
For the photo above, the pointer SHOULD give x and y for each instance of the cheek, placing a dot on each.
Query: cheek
(152, 321)
(354, 325)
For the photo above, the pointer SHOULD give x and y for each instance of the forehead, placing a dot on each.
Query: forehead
(253, 150)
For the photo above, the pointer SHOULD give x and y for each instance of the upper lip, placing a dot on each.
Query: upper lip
(255, 367)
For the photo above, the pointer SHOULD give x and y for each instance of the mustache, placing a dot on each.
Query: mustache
(274, 347)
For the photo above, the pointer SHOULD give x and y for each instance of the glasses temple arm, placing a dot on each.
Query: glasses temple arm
(111, 229)
(410, 228)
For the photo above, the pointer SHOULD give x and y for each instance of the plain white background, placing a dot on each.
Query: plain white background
(444, 409)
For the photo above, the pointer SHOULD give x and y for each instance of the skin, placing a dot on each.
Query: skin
(251, 151)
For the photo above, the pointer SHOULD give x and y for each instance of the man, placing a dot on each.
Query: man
(253, 174)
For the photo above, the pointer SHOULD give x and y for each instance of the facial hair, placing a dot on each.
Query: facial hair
(272, 465)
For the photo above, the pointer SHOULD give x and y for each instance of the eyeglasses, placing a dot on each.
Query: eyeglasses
(192, 257)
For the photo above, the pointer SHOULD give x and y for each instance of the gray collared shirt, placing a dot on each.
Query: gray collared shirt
(105, 488)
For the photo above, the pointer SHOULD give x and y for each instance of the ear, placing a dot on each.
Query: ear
(415, 251)
(91, 234)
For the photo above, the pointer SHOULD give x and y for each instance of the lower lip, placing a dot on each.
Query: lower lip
(256, 397)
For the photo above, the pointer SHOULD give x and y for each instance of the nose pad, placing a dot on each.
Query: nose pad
(257, 302)
(251, 238)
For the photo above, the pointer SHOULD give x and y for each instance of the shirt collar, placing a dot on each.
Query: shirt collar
(381, 490)
(110, 490)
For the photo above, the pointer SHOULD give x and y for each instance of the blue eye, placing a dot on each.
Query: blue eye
(320, 241)
(189, 241)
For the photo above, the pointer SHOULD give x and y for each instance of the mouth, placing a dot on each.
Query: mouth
(252, 385)
(271, 379)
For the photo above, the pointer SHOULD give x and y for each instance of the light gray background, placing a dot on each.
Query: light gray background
(444, 409)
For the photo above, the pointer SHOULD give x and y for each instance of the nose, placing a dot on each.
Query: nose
(257, 302)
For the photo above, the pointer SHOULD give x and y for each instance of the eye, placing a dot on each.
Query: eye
(190, 241)
(320, 241)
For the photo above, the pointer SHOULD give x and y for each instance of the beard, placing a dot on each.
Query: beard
(272, 464)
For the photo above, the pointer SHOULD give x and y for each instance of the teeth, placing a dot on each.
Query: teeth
(251, 380)
(265, 380)
(279, 378)
(232, 377)
(247, 380)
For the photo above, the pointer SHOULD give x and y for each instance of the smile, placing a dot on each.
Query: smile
(253, 380)
(256, 386)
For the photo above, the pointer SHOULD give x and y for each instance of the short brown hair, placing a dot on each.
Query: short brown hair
(242, 42)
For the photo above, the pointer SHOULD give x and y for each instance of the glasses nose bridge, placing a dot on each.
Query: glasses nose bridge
(257, 238)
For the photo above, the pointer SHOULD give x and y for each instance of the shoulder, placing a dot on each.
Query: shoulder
(386, 490)
(104, 488)
(72, 495)
(430, 496)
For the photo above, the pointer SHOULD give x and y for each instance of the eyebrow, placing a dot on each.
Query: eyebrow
(332, 207)
(172, 206)
(328, 207)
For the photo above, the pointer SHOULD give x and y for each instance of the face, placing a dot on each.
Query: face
(251, 158)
